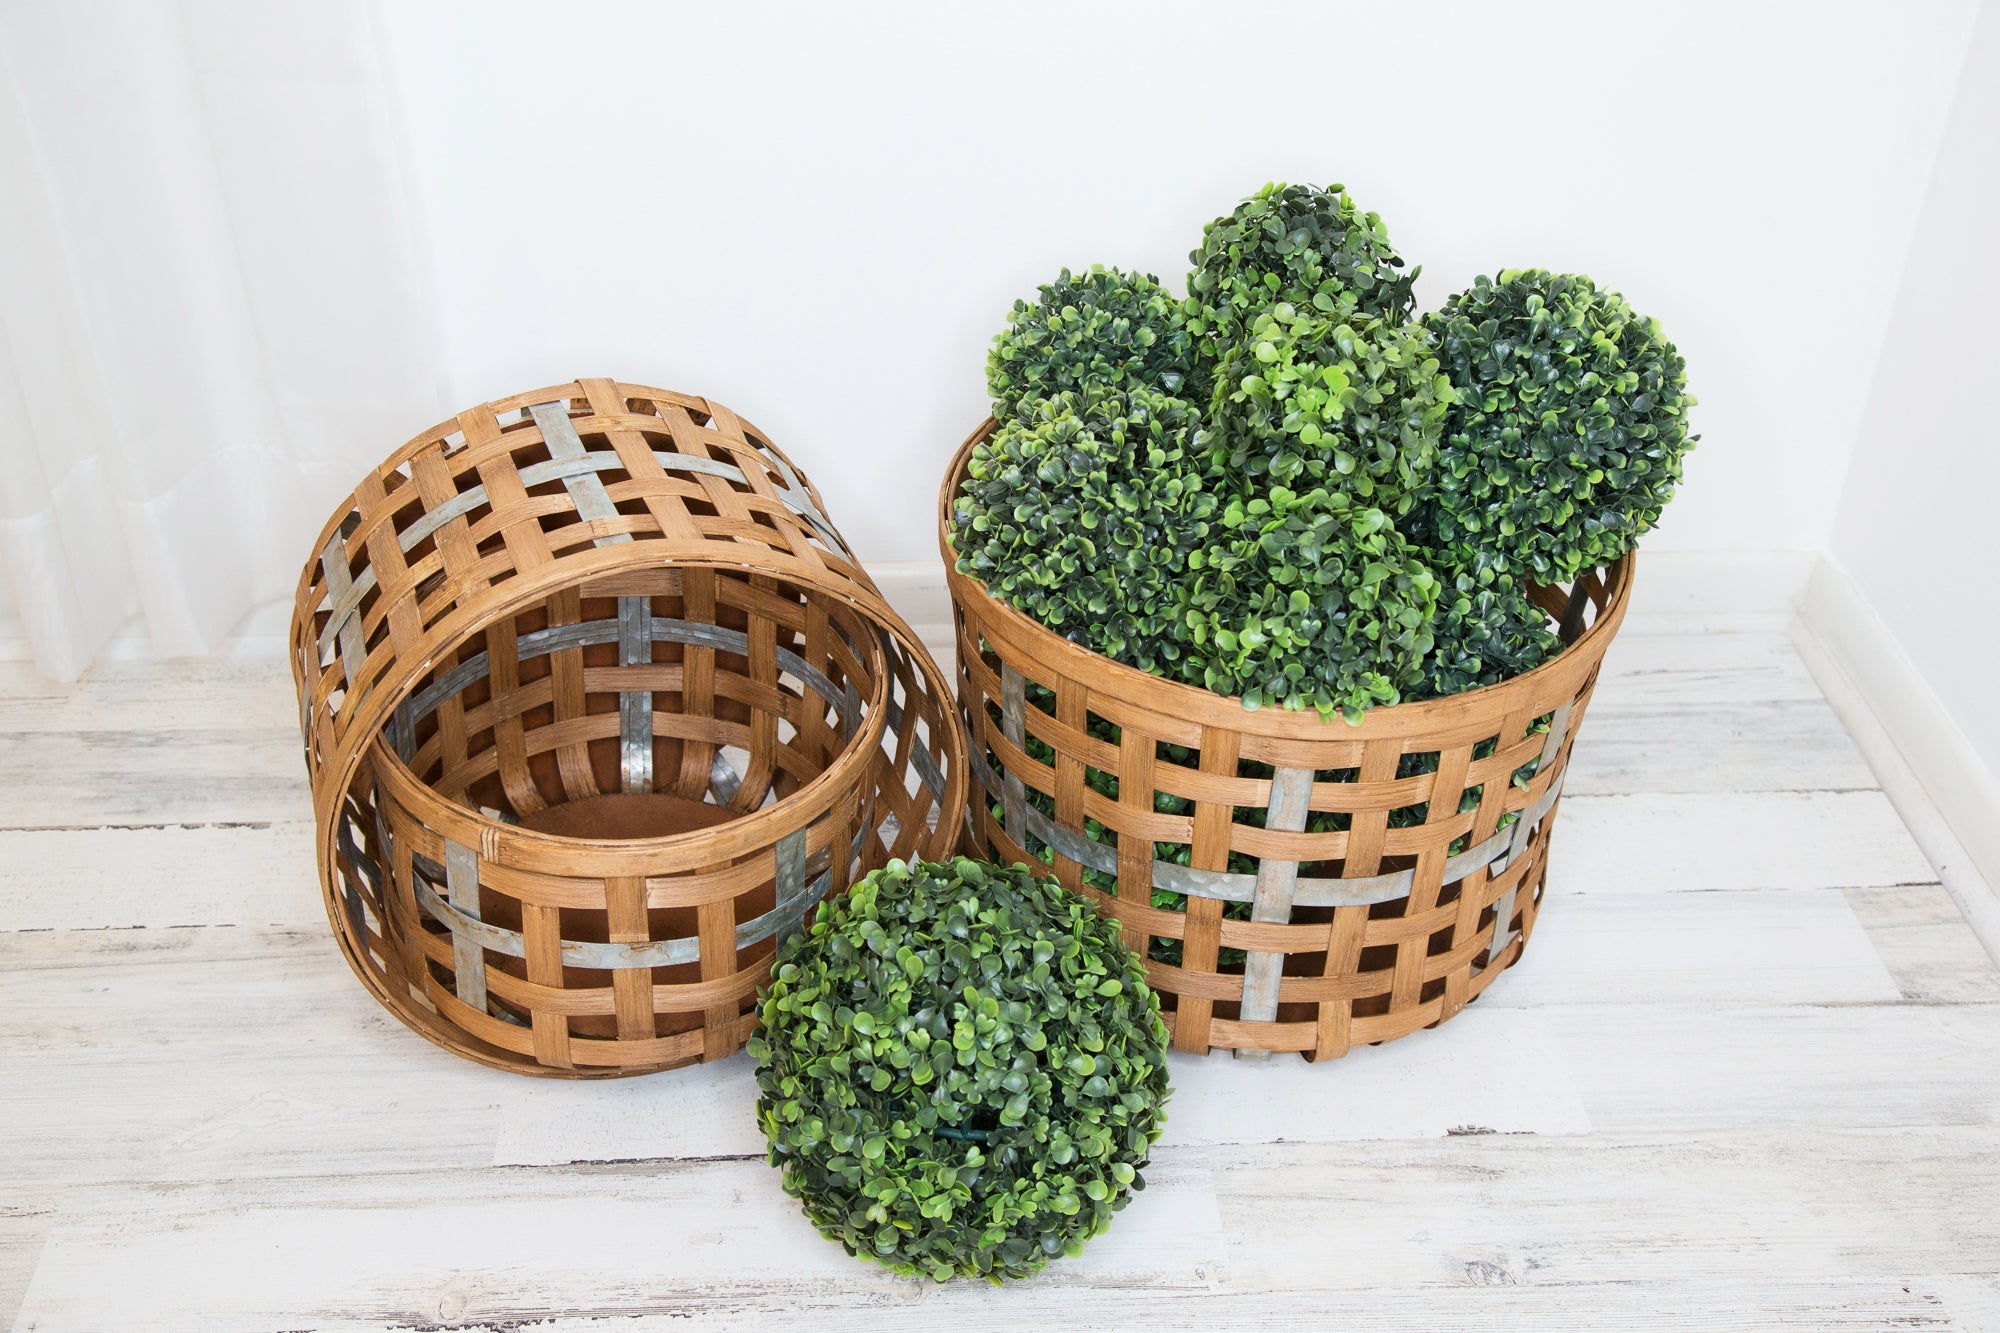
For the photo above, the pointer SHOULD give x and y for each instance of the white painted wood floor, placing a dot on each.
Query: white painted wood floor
(1747, 1077)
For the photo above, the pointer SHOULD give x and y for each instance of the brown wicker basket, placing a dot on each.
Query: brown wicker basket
(1295, 885)
(597, 706)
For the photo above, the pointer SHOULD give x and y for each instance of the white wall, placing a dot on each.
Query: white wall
(246, 249)
(1917, 528)
(820, 215)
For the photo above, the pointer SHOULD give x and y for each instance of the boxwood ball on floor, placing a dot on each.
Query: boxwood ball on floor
(961, 1070)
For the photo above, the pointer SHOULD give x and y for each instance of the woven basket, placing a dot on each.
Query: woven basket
(1295, 885)
(597, 706)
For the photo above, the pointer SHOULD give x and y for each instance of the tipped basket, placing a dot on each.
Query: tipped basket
(597, 706)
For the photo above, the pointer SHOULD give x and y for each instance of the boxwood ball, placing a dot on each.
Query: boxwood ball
(961, 1070)
(1570, 423)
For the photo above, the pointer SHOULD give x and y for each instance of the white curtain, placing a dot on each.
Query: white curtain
(211, 309)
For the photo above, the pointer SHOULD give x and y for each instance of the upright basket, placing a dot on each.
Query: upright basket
(1294, 884)
(597, 705)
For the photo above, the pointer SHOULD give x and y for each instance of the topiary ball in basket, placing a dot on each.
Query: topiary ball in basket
(961, 1070)
(1566, 438)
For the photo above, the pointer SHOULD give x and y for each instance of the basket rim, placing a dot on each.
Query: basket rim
(1128, 684)
(720, 842)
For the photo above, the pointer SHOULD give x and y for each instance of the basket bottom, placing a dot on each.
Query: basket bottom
(622, 816)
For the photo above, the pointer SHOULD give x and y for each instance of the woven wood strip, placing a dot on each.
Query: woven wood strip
(1294, 885)
(555, 606)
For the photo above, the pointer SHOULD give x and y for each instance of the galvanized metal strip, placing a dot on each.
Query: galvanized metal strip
(403, 732)
(593, 502)
(365, 866)
(561, 469)
(1551, 747)
(673, 462)
(635, 707)
(783, 919)
(609, 957)
(793, 497)
(1239, 888)
(468, 958)
(1014, 725)
(1524, 827)
(798, 498)
(305, 672)
(457, 507)
(1271, 900)
(791, 872)
(576, 467)
(921, 759)
(736, 641)
(345, 599)
(723, 780)
(1570, 628)
(661, 630)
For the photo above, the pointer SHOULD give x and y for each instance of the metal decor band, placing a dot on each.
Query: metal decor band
(470, 933)
(345, 593)
(1495, 854)
(659, 630)
(635, 707)
(593, 502)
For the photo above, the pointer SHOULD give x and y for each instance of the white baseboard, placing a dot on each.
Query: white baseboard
(916, 588)
(1717, 591)
(1938, 783)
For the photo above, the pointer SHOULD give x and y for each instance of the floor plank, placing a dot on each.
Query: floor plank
(1291, 1224)
(185, 742)
(25, 1219)
(1626, 1068)
(1647, 1068)
(1788, 946)
(1923, 940)
(1731, 840)
(116, 879)
(248, 697)
(89, 779)
(1780, 745)
(1833, 1305)
(1699, 669)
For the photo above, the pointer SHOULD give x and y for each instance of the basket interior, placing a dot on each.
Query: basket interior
(647, 705)
(608, 711)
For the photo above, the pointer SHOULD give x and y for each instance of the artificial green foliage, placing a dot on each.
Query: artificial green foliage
(1568, 434)
(1083, 512)
(1321, 392)
(1487, 629)
(961, 1070)
(1309, 600)
(1287, 242)
(1106, 329)
(1284, 488)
